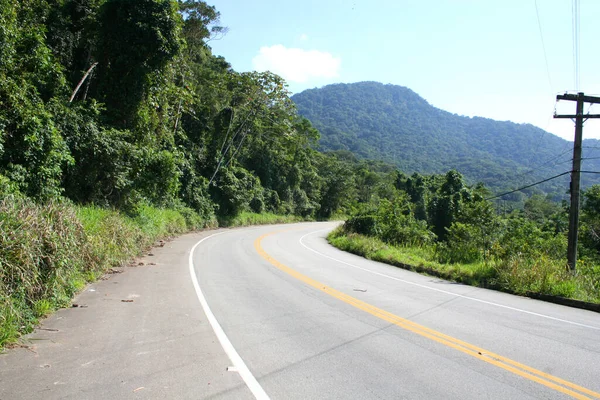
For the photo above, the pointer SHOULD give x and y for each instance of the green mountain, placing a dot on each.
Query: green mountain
(394, 124)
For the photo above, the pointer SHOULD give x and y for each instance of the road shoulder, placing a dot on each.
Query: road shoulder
(139, 333)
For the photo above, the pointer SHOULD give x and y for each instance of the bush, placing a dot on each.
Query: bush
(365, 224)
(257, 205)
(272, 201)
(195, 221)
(391, 221)
(8, 187)
(234, 190)
(463, 244)
(524, 238)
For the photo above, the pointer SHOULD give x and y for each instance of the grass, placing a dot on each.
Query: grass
(49, 252)
(249, 218)
(541, 276)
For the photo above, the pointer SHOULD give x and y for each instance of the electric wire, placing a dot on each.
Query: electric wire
(575, 13)
(222, 157)
(228, 129)
(537, 13)
(528, 186)
(538, 167)
(539, 22)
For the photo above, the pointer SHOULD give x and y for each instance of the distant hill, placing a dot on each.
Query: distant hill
(394, 124)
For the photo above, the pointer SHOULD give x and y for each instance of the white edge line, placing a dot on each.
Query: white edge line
(249, 379)
(440, 290)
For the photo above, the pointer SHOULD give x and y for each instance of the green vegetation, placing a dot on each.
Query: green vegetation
(159, 120)
(249, 218)
(439, 225)
(162, 137)
(49, 252)
(394, 124)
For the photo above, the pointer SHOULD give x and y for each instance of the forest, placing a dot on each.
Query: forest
(395, 124)
(159, 119)
(440, 225)
(118, 127)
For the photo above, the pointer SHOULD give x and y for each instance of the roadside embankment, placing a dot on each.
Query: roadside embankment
(50, 251)
(541, 279)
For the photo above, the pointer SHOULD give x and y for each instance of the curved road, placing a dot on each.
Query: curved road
(312, 322)
(275, 312)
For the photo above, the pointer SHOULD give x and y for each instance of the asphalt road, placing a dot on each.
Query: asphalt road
(275, 312)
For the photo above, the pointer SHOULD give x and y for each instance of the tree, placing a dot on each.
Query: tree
(32, 150)
(338, 188)
(589, 229)
(136, 41)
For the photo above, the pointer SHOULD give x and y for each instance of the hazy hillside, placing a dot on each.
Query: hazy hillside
(395, 124)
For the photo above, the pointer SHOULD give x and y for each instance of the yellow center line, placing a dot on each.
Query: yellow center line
(507, 364)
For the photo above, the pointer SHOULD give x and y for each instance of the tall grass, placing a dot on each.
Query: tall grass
(520, 275)
(249, 218)
(49, 252)
(43, 260)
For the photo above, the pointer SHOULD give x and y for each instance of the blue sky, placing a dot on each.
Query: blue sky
(469, 57)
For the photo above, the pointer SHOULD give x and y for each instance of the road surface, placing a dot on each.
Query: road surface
(275, 312)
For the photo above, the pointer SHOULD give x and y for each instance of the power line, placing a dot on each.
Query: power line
(592, 152)
(538, 167)
(539, 22)
(576, 34)
(545, 130)
(537, 13)
(222, 157)
(528, 186)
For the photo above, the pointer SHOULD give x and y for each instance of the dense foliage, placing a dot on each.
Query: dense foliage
(451, 223)
(158, 119)
(394, 124)
(118, 125)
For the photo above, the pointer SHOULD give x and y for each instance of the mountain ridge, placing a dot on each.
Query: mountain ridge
(394, 124)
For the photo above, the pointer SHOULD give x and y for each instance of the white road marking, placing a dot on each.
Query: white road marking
(233, 355)
(440, 290)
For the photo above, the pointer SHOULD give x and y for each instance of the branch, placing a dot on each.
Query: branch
(81, 81)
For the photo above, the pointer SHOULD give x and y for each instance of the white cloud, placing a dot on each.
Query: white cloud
(297, 65)
(304, 37)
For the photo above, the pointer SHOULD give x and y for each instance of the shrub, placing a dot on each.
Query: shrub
(365, 224)
(463, 244)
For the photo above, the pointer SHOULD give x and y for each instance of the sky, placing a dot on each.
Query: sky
(505, 60)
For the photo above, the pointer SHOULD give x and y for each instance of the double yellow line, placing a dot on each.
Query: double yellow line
(507, 364)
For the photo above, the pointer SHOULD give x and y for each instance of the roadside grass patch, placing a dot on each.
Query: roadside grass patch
(249, 218)
(518, 275)
(49, 252)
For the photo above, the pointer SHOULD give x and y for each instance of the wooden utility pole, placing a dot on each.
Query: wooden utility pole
(579, 118)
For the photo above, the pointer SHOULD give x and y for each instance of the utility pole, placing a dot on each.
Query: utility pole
(579, 118)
